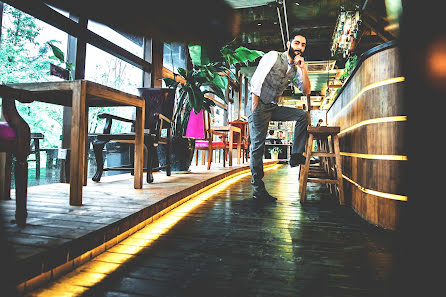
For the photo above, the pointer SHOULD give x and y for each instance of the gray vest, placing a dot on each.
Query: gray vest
(277, 79)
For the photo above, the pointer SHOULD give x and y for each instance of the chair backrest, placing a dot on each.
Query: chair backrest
(243, 127)
(158, 100)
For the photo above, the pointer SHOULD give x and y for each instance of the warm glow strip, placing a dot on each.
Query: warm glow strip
(376, 193)
(376, 157)
(369, 87)
(91, 273)
(374, 121)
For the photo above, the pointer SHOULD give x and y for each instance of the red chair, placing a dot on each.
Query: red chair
(15, 138)
(199, 127)
(244, 127)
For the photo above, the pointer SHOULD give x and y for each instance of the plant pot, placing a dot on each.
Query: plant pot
(181, 155)
(275, 156)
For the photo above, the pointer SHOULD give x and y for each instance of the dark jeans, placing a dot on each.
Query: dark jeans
(258, 128)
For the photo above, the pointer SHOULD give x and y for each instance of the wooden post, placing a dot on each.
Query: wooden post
(157, 63)
(78, 131)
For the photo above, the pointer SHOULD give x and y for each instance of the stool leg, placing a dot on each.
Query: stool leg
(330, 164)
(339, 169)
(37, 153)
(304, 173)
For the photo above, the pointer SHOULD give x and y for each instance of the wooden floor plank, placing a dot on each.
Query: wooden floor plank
(232, 246)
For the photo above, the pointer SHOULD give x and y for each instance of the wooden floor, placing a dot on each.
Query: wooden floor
(231, 245)
(57, 233)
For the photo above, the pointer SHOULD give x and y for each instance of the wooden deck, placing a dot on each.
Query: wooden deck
(57, 234)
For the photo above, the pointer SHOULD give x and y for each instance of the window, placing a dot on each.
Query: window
(131, 43)
(110, 71)
(174, 56)
(25, 56)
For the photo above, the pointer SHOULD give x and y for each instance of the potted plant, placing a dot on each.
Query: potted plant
(208, 75)
(275, 151)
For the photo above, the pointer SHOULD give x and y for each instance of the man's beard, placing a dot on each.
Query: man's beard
(292, 53)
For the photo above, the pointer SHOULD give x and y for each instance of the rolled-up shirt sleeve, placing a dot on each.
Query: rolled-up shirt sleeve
(265, 65)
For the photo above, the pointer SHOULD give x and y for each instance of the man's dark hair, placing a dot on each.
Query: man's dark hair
(295, 33)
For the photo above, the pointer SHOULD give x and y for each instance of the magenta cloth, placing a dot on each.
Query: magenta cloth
(195, 127)
(6, 132)
(215, 144)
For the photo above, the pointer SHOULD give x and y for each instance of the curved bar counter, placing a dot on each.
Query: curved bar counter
(369, 109)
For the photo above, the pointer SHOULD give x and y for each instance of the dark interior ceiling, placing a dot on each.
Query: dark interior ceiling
(260, 27)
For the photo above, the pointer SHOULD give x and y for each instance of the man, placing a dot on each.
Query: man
(273, 74)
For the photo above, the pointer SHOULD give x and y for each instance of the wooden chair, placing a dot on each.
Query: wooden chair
(199, 127)
(15, 138)
(158, 117)
(244, 127)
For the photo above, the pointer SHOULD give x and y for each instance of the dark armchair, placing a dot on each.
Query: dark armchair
(15, 140)
(158, 116)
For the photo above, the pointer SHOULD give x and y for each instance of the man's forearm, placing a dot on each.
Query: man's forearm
(306, 85)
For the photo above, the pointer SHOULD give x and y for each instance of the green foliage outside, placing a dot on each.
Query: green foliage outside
(24, 59)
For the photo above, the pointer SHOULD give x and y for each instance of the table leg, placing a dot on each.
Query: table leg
(139, 146)
(239, 147)
(86, 148)
(231, 143)
(78, 131)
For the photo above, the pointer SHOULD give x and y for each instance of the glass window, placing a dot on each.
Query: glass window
(25, 56)
(111, 71)
(131, 43)
(217, 116)
(174, 56)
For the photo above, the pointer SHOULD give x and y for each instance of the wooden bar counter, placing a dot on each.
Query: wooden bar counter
(369, 109)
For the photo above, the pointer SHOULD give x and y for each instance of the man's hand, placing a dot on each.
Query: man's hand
(255, 102)
(299, 61)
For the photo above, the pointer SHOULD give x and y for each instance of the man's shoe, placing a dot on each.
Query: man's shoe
(264, 197)
(296, 159)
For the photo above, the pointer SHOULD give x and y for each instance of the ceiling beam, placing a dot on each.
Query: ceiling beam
(301, 25)
(377, 28)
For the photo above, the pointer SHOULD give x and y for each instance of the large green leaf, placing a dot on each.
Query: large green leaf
(171, 83)
(221, 81)
(57, 52)
(240, 54)
(204, 54)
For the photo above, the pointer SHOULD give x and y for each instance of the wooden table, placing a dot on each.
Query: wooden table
(80, 95)
(230, 130)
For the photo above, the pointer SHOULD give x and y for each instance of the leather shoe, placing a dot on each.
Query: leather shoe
(296, 159)
(264, 197)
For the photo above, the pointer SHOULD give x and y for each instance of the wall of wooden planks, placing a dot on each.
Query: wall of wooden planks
(373, 122)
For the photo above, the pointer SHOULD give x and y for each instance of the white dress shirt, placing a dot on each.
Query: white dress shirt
(265, 65)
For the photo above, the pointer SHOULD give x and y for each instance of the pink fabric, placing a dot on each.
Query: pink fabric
(6, 132)
(215, 144)
(195, 127)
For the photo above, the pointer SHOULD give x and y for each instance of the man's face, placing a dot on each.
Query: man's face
(297, 46)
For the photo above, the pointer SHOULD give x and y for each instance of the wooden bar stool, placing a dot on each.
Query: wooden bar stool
(327, 172)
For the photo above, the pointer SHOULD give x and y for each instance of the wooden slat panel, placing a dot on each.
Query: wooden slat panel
(370, 112)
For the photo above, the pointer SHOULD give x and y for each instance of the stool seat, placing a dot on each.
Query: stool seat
(328, 172)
